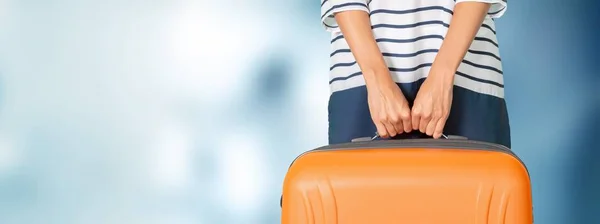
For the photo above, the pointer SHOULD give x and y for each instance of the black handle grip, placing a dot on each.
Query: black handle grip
(368, 139)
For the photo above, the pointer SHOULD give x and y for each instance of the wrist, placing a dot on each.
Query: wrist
(446, 63)
(377, 77)
(442, 73)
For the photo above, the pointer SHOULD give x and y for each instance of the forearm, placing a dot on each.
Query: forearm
(466, 21)
(356, 28)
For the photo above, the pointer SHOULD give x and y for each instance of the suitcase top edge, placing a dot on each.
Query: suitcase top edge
(463, 144)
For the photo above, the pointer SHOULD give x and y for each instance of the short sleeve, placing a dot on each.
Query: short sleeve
(497, 7)
(330, 7)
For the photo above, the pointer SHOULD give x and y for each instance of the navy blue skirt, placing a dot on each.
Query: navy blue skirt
(473, 115)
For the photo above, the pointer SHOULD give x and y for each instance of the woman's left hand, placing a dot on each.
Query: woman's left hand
(432, 104)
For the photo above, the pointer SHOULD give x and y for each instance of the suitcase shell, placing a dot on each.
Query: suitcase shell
(408, 181)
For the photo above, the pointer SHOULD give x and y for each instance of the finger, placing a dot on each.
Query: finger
(425, 118)
(399, 127)
(439, 127)
(423, 125)
(416, 117)
(391, 130)
(405, 119)
(397, 123)
(381, 131)
(431, 127)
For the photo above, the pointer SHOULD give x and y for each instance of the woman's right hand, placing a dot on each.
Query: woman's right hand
(389, 109)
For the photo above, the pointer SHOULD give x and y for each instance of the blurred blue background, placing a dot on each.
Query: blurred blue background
(182, 112)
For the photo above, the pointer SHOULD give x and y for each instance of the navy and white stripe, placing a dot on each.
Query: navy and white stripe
(330, 7)
(409, 34)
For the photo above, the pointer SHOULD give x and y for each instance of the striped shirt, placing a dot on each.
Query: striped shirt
(409, 34)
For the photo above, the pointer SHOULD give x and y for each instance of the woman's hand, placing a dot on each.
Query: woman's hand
(389, 109)
(432, 104)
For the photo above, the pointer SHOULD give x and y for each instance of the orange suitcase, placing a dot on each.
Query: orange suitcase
(408, 181)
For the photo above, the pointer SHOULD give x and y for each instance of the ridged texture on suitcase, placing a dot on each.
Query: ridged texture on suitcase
(384, 184)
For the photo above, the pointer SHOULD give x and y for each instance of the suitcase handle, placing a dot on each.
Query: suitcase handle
(366, 139)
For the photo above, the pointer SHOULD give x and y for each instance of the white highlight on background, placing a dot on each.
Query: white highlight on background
(213, 52)
(4, 9)
(242, 173)
(172, 156)
(9, 157)
(312, 97)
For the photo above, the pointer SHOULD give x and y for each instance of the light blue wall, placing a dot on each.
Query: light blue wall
(191, 111)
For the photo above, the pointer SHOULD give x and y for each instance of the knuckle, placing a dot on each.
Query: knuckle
(415, 116)
(438, 114)
(446, 114)
(404, 115)
(385, 117)
(426, 116)
(416, 110)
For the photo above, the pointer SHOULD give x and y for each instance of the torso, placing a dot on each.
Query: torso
(409, 34)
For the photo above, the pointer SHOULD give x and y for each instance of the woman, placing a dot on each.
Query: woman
(409, 68)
